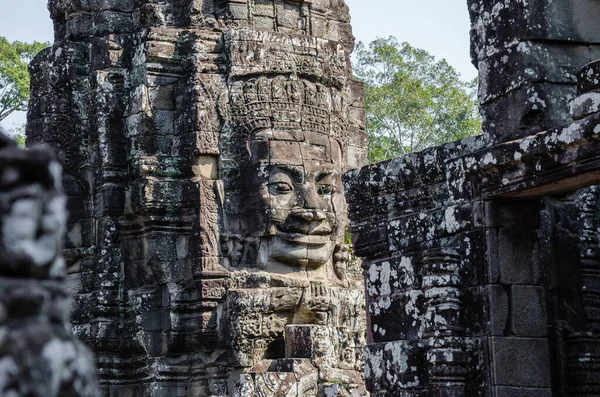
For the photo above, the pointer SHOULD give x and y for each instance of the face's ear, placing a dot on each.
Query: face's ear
(258, 152)
(337, 156)
(224, 107)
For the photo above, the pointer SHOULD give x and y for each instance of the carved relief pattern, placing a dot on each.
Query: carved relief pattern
(284, 103)
(284, 142)
(446, 354)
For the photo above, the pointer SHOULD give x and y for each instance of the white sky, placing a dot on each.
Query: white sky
(439, 26)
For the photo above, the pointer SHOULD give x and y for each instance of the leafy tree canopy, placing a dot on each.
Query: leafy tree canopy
(412, 101)
(14, 74)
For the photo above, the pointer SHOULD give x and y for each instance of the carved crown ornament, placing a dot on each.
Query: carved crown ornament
(287, 103)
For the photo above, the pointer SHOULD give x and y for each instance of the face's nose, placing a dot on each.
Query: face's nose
(312, 206)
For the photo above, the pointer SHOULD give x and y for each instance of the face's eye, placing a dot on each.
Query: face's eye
(325, 189)
(280, 187)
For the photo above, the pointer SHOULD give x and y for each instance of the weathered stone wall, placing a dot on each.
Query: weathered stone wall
(203, 144)
(476, 286)
(414, 236)
(39, 356)
(528, 54)
(481, 256)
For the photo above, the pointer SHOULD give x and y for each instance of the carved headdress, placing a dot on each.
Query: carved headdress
(288, 104)
(302, 84)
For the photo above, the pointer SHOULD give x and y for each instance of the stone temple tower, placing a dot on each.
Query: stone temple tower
(203, 143)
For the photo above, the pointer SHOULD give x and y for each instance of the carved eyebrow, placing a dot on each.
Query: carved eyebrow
(295, 172)
(321, 174)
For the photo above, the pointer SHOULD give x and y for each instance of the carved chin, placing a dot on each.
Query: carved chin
(302, 251)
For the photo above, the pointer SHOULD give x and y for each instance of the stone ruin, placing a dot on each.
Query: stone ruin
(481, 257)
(203, 145)
(38, 355)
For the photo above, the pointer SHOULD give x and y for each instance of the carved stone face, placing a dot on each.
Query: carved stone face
(300, 196)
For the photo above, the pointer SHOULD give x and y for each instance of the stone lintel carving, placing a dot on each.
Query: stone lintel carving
(552, 162)
(556, 161)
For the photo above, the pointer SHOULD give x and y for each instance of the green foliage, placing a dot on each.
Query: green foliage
(20, 139)
(412, 101)
(14, 74)
(18, 134)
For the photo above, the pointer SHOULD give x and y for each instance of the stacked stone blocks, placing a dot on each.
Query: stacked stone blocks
(480, 256)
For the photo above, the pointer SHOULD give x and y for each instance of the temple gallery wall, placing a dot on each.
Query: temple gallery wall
(211, 156)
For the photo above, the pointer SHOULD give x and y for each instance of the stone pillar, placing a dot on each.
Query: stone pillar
(446, 354)
(39, 357)
(572, 235)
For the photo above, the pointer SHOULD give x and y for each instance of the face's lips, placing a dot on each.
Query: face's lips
(307, 233)
(307, 228)
(305, 239)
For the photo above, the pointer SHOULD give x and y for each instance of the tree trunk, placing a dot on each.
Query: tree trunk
(5, 114)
